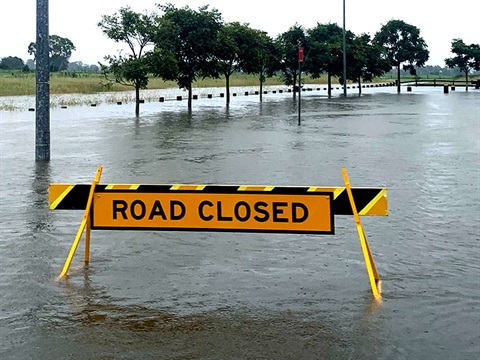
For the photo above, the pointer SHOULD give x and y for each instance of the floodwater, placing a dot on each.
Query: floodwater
(193, 295)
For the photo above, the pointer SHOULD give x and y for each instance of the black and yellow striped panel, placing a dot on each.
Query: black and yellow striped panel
(369, 201)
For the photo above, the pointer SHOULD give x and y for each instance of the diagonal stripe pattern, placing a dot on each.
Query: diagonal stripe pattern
(369, 201)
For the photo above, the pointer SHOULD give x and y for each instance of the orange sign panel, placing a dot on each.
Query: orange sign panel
(239, 212)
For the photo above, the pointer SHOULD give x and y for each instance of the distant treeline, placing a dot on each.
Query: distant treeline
(433, 70)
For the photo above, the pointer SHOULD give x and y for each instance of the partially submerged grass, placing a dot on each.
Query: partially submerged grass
(16, 83)
(8, 107)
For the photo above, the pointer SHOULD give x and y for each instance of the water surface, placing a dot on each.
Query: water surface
(181, 295)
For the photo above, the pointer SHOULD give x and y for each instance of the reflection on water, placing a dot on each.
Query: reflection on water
(225, 295)
(40, 221)
(223, 332)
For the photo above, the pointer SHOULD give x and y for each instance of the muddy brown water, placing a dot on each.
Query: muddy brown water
(183, 295)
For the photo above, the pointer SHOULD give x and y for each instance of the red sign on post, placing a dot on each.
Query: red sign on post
(300, 54)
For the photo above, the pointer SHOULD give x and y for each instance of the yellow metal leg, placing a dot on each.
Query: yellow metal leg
(87, 241)
(367, 255)
(86, 216)
(374, 268)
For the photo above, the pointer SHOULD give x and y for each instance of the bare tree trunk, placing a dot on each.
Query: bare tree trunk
(227, 87)
(359, 87)
(398, 78)
(137, 100)
(329, 85)
(466, 80)
(190, 96)
(294, 84)
(261, 88)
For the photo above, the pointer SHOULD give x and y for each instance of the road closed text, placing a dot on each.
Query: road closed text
(304, 213)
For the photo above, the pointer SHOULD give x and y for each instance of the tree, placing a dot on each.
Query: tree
(31, 64)
(288, 44)
(234, 43)
(402, 43)
(137, 31)
(60, 51)
(262, 58)
(364, 61)
(193, 40)
(467, 58)
(75, 66)
(129, 71)
(91, 68)
(325, 42)
(11, 63)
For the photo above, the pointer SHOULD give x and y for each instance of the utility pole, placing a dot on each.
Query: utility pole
(344, 55)
(42, 116)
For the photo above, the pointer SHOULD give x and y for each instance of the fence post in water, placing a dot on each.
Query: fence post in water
(42, 118)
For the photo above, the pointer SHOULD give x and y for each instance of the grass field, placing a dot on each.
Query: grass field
(13, 83)
(18, 83)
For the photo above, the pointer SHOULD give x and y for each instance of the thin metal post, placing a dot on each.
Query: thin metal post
(42, 116)
(344, 55)
(87, 240)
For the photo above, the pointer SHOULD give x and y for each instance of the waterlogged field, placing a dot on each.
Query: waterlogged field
(17, 83)
(20, 103)
(17, 89)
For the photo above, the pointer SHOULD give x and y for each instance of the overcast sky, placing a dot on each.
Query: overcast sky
(439, 22)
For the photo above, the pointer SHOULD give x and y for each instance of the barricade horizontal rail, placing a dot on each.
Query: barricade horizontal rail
(370, 201)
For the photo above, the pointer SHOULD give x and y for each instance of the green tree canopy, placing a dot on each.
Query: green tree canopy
(11, 63)
(137, 31)
(288, 44)
(60, 51)
(193, 40)
(467, 57)
(262, 57)
(364, 61)
(401, 43)
(234, 44)
(325, 43)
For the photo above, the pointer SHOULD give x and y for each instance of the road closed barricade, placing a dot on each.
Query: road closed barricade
(234, 208)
